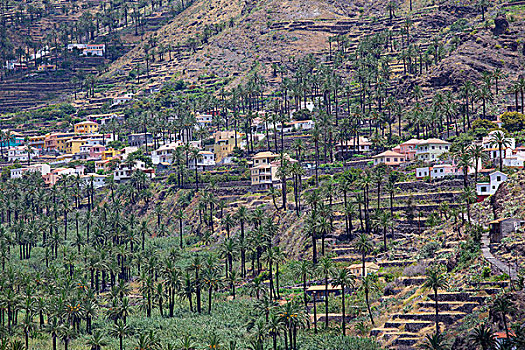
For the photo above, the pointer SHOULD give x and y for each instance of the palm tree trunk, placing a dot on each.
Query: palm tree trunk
(368, 307)
(343, 308)
(437, 310)
(326, 300)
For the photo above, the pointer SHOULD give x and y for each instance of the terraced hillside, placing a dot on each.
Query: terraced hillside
(260, 35)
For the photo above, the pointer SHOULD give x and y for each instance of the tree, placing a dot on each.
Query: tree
(384, 221)
(242, 217)
(504, 306)
(96, 340)
(344, 278)
(469, 196)
(303, 268)
(120, 330)
(482, 336)
(369, 285)
(180, 216)
(482, 5)
(499, 139)
(435, 341)
(363, 246)
(326, 266)
(435, 280)
(478, 154)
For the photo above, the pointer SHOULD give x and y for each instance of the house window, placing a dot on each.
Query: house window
(395, 159)
(441, 170)
(388, 159)
(493, 187)
(498, 178)
(483, 189)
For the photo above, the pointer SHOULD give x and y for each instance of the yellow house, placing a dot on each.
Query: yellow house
(110, 153)
(73, 146)
(61, 142)
(86, 127)
(224, 144)
(37, 141)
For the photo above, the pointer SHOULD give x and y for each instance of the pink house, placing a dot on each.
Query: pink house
(408, 148)
(96, 151)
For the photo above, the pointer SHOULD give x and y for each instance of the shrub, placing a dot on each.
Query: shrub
(486, 272)
(416, 270)
(513, 121)
(429, 250)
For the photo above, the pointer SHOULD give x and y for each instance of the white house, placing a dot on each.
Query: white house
(94, 50)
(492, 149)
(514, 161)
(303, 124)
(484, 189)
(98, 180)
(203, 120)
(21, 154)
(164, 154)
(430, 150)
(122, 99)
(204, 159)
(43, 169)
(421, 173)
(123, 172)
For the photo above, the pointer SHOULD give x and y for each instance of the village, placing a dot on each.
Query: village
(52, 154)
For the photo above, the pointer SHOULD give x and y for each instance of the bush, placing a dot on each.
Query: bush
(416, 270)
(429, 250)
(468, 251)
(486, 272)
(513, 121)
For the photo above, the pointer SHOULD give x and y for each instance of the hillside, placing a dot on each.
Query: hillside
(259, 35)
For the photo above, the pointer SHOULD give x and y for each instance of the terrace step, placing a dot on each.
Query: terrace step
(392, 335)
(408, 325)
(450, 305)
(448, 317)
(375, 332)
(406, 341)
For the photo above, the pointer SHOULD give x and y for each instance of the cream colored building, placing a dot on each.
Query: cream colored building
(225, 144)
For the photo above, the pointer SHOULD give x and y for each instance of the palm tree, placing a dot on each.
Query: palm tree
(363, 246)
(53, 327)
(478, 154)
(96, 340)
(275, 326)
(504, 306)
(311, 228)
(469, 196)
(499, 139)
(120, 330)
(242, 217)
(303, 268)
(384, 221)
(344, 278)
(435, 342)
(369, 285)
(326, 266)
(179, 215)
(435, 280)
(482, 336)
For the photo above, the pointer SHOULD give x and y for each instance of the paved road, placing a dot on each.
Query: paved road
(504, 268)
